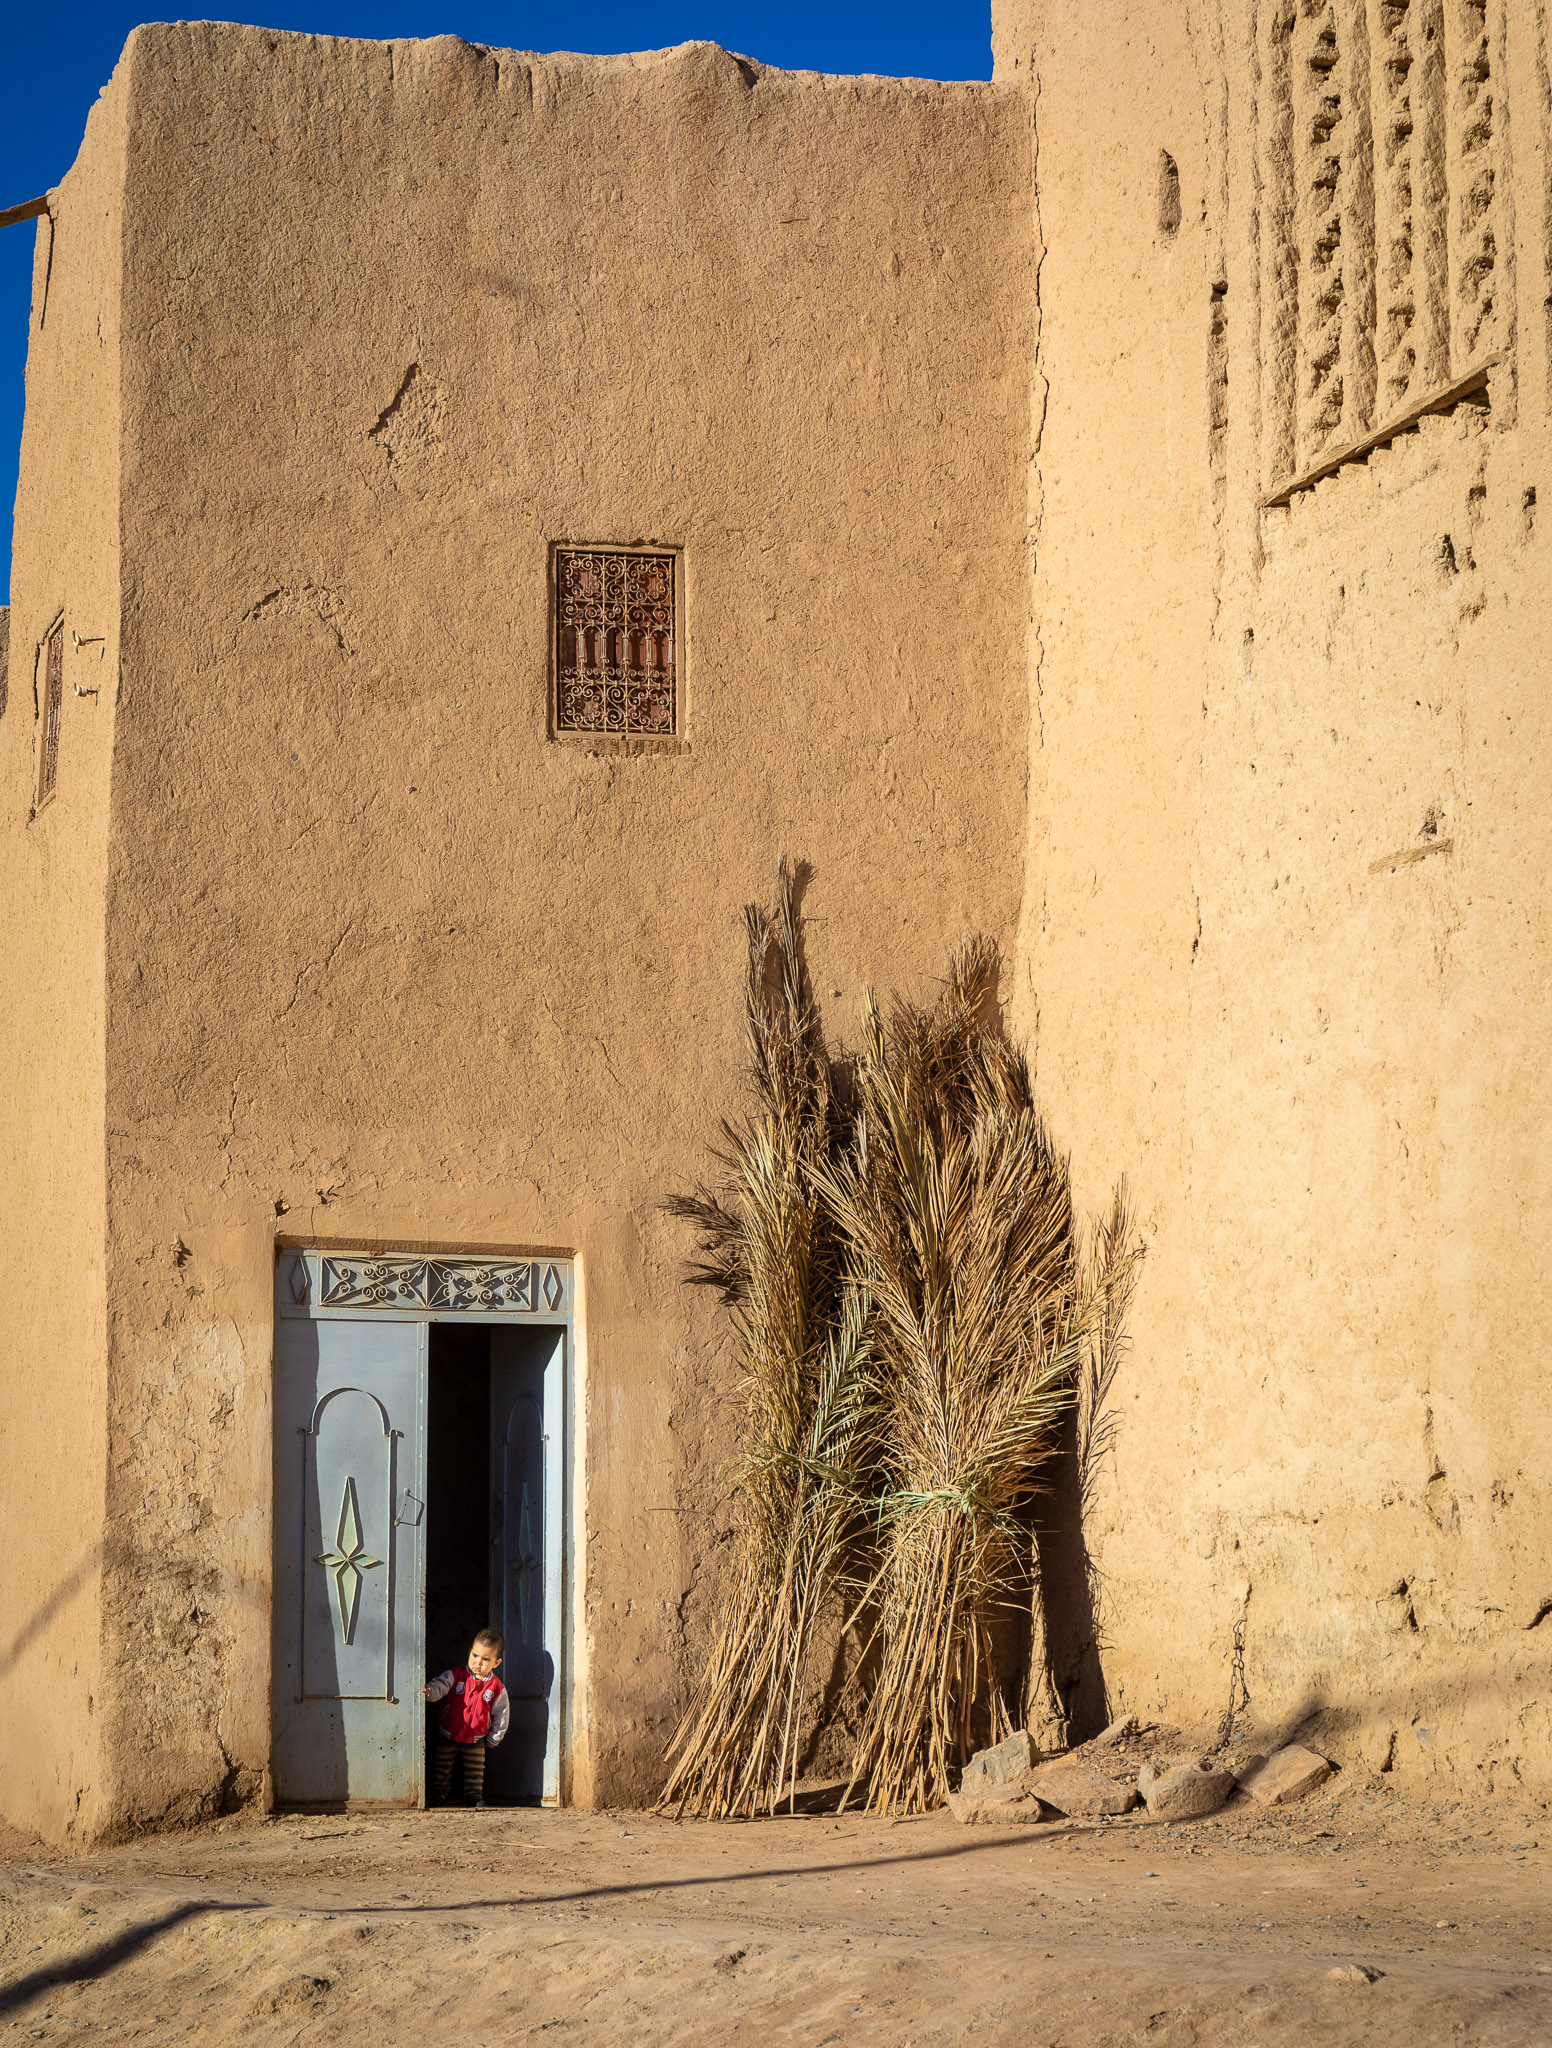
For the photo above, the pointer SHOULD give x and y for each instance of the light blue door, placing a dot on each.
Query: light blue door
(349, 1481)
(527, 1598)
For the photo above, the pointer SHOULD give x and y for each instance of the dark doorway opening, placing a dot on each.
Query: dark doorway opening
(485, 1530)
(458, 1531)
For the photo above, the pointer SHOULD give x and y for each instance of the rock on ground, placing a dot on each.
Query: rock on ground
(1003, 1765)
(1008, 1809)
(1185, 1793)
(1286, 1775)
(1079, 1792)
(1118, 1731)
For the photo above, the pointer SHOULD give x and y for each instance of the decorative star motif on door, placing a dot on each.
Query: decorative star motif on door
(347, 1561)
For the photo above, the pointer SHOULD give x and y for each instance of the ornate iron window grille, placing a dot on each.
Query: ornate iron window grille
(53, 708)
(616, 632)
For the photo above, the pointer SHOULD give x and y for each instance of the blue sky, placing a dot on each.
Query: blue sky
(57, 60)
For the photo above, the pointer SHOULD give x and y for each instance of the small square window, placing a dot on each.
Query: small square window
(617, 642)
(53, 709)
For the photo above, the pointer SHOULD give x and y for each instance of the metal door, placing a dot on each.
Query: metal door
(526, 1594)
(349, 1449)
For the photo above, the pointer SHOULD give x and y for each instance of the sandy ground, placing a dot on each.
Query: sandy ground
(603, 1928)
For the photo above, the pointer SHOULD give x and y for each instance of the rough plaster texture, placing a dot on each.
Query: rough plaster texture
(965, 404)
(386, 965)
(52, 1016)
(1284, 947)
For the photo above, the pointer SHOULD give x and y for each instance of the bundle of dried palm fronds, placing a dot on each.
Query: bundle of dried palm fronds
(957, 1213)
(808, 1397)
(916, 1317)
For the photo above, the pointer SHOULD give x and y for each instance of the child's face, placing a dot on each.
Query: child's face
(483, 1660)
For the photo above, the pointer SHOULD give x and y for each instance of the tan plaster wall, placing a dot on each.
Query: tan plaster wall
(52, 1193)
(1325, 1071)
(387, 965)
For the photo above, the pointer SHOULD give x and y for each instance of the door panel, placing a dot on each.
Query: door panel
(347, 1511)
(525, 1442)
(349, 1456)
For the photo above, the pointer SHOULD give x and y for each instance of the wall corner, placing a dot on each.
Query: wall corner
(1013, 41)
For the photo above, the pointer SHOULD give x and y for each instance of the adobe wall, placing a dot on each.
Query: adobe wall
(1285, 942)
(386, 964)
(52, 1195)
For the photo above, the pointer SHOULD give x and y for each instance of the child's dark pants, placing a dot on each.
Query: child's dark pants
(473, 1756)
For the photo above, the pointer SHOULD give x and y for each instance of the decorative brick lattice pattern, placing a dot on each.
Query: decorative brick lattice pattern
(1473, 246)
(1379, 231)
(1323, 135)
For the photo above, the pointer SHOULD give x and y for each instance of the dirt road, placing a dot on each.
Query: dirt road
(592, 1928)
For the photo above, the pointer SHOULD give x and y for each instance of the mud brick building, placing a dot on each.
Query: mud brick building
(475, 510)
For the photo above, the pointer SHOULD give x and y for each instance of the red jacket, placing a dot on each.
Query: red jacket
(475, 1711)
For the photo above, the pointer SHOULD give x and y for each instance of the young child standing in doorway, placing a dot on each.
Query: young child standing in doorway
(474, 1719)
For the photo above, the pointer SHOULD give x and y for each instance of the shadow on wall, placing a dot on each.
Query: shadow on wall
(1068, 1696)
(51, 1607)
(1319, 1718)
(1069, 1592)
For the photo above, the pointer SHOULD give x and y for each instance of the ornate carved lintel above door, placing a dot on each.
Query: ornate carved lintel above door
(472, 1288)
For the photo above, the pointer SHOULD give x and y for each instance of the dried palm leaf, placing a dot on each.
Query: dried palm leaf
(916, 1318)
(807, 1397)
(956, 1210)
(1111, 1258)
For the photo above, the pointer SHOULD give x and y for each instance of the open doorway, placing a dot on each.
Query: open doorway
(457, 1505)
(492, 1534)
(422, 1440)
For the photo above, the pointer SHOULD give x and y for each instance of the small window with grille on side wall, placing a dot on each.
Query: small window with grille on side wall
(617, 654)
(52, 666)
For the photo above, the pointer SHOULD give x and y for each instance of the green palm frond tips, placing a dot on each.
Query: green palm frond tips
(915, 1319)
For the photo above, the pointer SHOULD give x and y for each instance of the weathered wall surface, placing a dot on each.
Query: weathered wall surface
(1249, 761)
(52, 1198)
(1285, 943)
(385, 964)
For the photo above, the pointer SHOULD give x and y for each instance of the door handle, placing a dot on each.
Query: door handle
(410, 1511)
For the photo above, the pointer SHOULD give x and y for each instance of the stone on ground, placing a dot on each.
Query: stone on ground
(1079, 1792)
(1353, 1973)
(1004, 1765)
(1186, 1792)
(1287, 1774)
(1116, 1732)
(1008, 1808)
